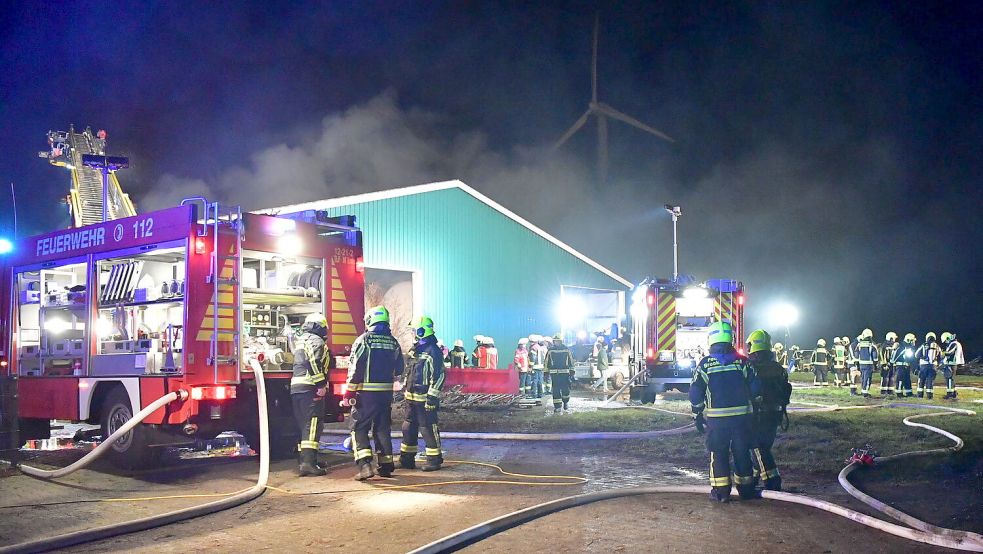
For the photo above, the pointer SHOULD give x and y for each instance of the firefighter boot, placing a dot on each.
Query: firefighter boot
(720, 494)
(433, 463)
(407, 461)
(364, 470)
(308, 463)
(748, 492)
(921, 394)
(930, 395)
(773, 484)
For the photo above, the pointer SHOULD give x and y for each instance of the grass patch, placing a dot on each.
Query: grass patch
(535, 420)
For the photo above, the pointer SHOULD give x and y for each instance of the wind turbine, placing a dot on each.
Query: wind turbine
(602, 112)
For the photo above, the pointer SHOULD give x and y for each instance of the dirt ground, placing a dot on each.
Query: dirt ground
(347, 514)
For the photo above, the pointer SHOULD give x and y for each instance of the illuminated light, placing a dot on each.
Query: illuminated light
(651, 299)
(6, 247)
(199, 246)
(220, 393)
(571, 311)
(3, 363)
(740, 351)
(282, 226)
(83, 384)
(650, 354)
(360, 265)
(695, 292)
(56, 325)
(197, 393)
(740, 300)
(639, 310)
(783, 315)
(581, 334)
(290, 244)
(104, 328)
(685, 363)
(340, 389)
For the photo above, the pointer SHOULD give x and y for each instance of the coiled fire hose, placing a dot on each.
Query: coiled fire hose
(142, 524)
(919, 530)
(107, 443)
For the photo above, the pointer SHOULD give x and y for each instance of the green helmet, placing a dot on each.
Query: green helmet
(721, 332)
(758, 341)
(376, 314)
(316, 319)
(423, 327)
(946, 336)
(910, 338)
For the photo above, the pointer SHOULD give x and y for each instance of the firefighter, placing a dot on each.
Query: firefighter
(559, 364)
(794, 358)
(904, 360)
(308, 386)
(537, 357)
(952, 358)
(928, 355)
(852, 365)
(867, 357)
(820, 364)
(476, 353)
(492, 360)
(424, 381)
(781, 356)
(521, 363)
(601, 360)
(547, 377)
(445, 351)
(720, 395)
(887, 362)
(458, 355)
(769, 407)
(375, 363)
(839, 362)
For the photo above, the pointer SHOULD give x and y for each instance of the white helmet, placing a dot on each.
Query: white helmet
(440, 342)
(459, 343)
(600, 338)
(548, 339)
(490, 340)
(486, 340)
(523, 340)
(535, 338)
(479, 339)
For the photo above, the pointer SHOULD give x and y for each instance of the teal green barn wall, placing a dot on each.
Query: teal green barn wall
(483, 272)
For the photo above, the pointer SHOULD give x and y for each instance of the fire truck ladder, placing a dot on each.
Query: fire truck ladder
(85, 196)
(226, 268)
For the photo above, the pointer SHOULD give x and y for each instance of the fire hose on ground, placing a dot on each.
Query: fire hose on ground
(150, 522)
(918, 531)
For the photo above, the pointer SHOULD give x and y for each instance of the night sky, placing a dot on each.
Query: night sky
(827, 154)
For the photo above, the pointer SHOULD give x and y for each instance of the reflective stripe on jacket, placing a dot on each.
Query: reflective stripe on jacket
(311, 360)
(426, 374)
(722, 385)
(375, 362)
(559, 359)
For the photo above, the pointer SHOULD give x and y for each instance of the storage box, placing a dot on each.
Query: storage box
(30, 297)
(116, 347)
(66, 348)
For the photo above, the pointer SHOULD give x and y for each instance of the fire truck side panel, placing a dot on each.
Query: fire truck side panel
(48, 397)
(152, 388)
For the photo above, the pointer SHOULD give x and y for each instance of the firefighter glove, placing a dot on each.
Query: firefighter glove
(700, 423)
(433, 403)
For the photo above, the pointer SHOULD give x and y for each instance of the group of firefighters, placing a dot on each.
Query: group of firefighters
(740, 402)
(375, 365)
(545, 365)
(854, 364)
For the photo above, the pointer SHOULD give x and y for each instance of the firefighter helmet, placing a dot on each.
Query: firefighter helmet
(478, 339)
(422, 327)
(758, 341)
(316, 319)
(779, 347)
(867, 334)
(891, 336)
(720, 332)
(459, 343)
(947, 336)
(836, 340)
(558, 338)
(547, 339)
(535, 338)
(523, 341)
(910, 338)
(821, 343)
(796, 347)
(376, 314)
(930, 336)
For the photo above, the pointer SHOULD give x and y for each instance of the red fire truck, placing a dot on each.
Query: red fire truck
(670, 324)
(103, 319)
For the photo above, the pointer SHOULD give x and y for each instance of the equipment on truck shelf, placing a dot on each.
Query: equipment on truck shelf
(670, 323)
(103, 319)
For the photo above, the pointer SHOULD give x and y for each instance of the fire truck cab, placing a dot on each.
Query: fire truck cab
(103, 319)
(670, 322)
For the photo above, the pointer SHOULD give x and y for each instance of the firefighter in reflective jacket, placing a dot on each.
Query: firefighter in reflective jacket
(720, 394)
(308, 386)
(952, 358)
(839, 362)
(820, 364)
(375, 363)
(867, 357)
(769, 407)
(559, 364)
(424, 381)
(904, 365)
(887, 361)
(459, 356)
(928, 355)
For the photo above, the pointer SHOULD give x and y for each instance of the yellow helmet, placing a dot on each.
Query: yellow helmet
(930, 336)
(867, 334)
(758, 341)
(910, 338)
(779, 347)
(946, 336)
(422, 327)
(721, 332)
(891, 336)
(821, 343)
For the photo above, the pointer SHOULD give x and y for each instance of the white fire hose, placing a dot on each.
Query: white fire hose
(108, 442)
(142, 524)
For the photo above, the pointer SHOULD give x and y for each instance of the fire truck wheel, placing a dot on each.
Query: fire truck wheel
(132, 450)
(618, 379)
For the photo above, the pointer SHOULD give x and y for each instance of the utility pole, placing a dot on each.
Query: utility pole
(675, 212)
(105, 164)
